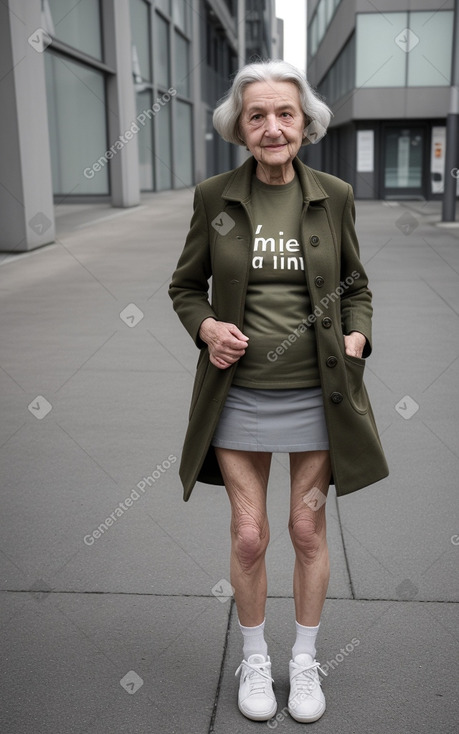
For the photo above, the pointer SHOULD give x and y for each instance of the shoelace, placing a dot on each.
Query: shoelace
(310, 678)
(257, 684)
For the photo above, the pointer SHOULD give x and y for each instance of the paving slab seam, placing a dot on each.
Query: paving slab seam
(37, 590)
(207, 596)
(46, 592)
(222, 667)
(346, 560)
(377, 599)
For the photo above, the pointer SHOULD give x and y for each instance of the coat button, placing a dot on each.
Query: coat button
(319, 281)
(326, 322)
(331, 361)
(336, 397)
(314, 240)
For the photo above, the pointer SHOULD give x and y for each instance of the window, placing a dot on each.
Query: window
(231, 5)
(429, 61)
(182, 67)
(340, 78)
(163, 151)
(140, 30)
(183, 145)
(403, 158)
(145, 143)
(319, 23)
(78, 25)
(329, 10)
(404, 49)
(76, 112)
(379, 61)
(182, 15)
(164, 5)
(162, 53)
(313, 39)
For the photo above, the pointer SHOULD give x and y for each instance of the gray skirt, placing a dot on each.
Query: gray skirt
(286, 420)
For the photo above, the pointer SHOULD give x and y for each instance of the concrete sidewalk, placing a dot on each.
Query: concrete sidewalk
(130, 628)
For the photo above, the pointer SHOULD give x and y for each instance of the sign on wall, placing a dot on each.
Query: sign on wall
(437, 161)
(365, 151)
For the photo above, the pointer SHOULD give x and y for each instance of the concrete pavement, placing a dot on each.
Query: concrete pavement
(116, 614)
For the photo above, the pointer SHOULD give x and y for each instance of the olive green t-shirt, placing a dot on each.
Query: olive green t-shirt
(281, 351)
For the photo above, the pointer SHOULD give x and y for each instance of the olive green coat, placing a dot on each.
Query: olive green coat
(219, 244)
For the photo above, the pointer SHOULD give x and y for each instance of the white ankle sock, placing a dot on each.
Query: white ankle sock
(305, 640)
(254, 640)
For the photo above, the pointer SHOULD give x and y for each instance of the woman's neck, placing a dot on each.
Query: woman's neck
(275, 175)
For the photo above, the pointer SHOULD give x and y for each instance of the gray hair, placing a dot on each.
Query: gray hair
(227, 114)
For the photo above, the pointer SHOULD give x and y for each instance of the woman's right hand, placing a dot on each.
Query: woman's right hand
(225, 341)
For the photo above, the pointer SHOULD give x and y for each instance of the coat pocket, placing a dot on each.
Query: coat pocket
(355, 367)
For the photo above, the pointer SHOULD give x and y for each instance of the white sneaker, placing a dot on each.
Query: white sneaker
(256, 698)
(306, 701)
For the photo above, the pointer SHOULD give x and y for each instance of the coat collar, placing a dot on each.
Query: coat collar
(239, 185)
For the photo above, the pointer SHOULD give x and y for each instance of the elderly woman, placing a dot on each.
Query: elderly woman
(282, 345)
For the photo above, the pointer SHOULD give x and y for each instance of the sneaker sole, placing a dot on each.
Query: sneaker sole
(259, 717)
(307, 719)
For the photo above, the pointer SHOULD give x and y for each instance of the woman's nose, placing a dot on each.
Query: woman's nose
(272, 127)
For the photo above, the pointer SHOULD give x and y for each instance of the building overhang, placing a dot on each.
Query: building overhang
(391, 103)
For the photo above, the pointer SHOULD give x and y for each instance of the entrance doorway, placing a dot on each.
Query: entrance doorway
(404, 163)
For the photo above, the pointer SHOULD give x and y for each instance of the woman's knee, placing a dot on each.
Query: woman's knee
(308, 536)
(250, 540)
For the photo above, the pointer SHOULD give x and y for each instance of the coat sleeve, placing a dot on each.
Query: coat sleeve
(356, 308)
(189, 288)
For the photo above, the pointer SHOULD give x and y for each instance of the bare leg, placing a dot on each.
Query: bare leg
(307, 527)
(246, 474)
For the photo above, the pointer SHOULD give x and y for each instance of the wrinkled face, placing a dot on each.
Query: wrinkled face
(272, 122)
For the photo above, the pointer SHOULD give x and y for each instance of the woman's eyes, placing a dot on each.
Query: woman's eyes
(258, 116)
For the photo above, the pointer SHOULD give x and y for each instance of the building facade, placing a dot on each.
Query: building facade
(104, 99)
(263, 37)
(385, 71)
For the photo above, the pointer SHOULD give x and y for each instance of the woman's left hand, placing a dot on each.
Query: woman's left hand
(354, 344)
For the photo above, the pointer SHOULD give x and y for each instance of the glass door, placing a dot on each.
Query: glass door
(404, 156)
